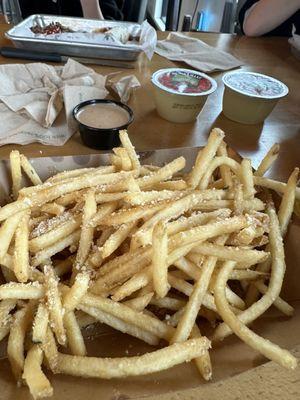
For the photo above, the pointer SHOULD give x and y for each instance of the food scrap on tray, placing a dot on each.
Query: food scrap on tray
(150, 251)
(50, 29)
(119, 33)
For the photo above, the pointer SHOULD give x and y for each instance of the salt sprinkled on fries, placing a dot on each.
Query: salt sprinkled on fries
(146, 250)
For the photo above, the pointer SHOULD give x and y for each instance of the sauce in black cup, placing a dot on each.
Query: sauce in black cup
(100, 121)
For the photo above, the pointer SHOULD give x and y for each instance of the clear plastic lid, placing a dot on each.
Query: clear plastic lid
(255, 85)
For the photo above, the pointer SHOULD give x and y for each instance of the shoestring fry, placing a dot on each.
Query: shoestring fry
(147, 250)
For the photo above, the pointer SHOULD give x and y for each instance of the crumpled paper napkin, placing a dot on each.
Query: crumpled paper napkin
(36, 100)
(123, 87)
(194, 52)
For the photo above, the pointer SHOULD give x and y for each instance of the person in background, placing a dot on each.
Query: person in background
(270, 17)
(98, 9)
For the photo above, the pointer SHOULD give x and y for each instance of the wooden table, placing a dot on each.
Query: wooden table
(266, 55)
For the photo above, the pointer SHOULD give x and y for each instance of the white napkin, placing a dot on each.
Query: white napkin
(194, 52)
(295, 43)
(122, 87)
(32, 98)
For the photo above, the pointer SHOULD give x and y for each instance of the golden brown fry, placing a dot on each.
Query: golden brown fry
(21, 252)
(205, 156)
(131, 366)
(36, 380)
(74, 336)
(15, 345)
(268, 160)
(159, 260)
(130, 150)
(267, 348)
(16, 173)
(54, 305)
(40, 324)
(87, 231)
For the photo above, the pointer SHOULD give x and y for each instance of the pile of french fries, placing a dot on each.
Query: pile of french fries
(149, 251)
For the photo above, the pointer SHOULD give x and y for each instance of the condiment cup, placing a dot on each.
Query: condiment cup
(180, 93)
(101, 138)
(249, 97)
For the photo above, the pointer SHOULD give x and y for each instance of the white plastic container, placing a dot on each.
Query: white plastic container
(249, 97)
(180, 94)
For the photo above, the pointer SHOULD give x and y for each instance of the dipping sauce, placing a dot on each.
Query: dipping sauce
(255, 84)
(184, 81)
(103, 116)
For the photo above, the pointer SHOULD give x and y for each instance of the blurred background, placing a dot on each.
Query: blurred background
(171, 15)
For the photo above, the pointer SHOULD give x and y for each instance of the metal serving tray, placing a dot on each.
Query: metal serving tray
(22, 37)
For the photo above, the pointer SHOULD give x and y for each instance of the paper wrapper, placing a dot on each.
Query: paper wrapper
(194, 52)
(238, 371)
(37, 100)
(122, 88)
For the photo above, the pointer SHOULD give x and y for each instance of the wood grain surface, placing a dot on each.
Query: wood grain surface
(266, 55)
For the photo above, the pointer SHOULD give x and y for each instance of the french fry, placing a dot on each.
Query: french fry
(118, 237)
(287, 203)
(16, 173)
(29, 170)
(224, 169)
(74, 335)
(140, 365)
(87, 231)
(15, 344)
(126, 163)
(121, 273)
(121, 311)
(7, 232)
(267, 348)
(205, 156)
(202, 233)
(23, 291)
(139, 303)
(40, 324)
(79, 288)
(21, 252)
(247, 179)
(277, 273)
(282, 305)
(130, 150)
(238, 254)
(159, 260)
(33, 375)
(268, 160)
(54, 305)
(53, 208)
(121, 325)
(218, 162)
(46, 253)
(277, 186)
(138, 281)
(5, 317)
(284, 216)
(203, 363)
(50, 350)
(162, 174)
(196, 298)
(53, 192)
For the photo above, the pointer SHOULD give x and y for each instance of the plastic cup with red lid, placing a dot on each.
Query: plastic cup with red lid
(180, 93)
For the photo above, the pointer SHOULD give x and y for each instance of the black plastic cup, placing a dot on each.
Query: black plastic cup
(97, 138)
